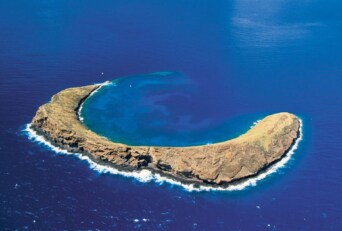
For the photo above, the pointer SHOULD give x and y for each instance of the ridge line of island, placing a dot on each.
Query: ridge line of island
(217, 164)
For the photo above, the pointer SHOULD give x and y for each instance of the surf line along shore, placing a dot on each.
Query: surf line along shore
(217, 164)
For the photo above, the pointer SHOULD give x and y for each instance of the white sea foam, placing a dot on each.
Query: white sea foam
(255, 123)
(92, 93)
(147, 176)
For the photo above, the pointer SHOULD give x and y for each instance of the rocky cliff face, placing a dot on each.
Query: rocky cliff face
(218, 163)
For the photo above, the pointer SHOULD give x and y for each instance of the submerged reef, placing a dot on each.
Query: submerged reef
(216, 164)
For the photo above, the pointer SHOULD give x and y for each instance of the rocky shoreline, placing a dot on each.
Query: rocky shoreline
(216, 164)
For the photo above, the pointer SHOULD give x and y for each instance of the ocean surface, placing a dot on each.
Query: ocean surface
(196, 72)
(156, 109)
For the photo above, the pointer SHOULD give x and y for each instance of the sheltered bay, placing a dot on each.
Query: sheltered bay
(217, 164)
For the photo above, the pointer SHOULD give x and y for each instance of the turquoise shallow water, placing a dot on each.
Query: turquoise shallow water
(158, 109)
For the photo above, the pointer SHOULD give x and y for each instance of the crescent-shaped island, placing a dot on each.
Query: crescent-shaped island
(215, 164)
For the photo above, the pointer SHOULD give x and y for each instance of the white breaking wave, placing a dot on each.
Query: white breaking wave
(147, 175)
(255, 123)
(92, 93)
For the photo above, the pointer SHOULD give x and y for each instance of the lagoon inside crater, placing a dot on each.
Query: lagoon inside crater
(158, 109)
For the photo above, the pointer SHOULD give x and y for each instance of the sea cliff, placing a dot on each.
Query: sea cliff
(218, 164)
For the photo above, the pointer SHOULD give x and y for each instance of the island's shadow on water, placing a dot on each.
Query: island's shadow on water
(144, 178)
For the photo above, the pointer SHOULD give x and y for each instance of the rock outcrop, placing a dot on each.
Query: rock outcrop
(220, 163)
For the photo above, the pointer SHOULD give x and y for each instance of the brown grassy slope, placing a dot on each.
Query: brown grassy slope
(218, 163)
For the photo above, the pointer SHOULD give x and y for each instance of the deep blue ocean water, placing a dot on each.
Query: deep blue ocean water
(240, 60)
